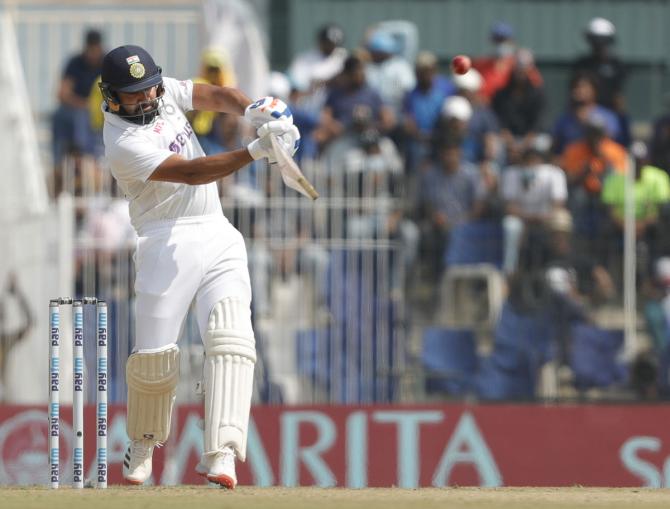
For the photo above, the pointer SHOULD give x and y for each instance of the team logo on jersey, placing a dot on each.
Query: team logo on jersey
(137, 70)
(182, 139)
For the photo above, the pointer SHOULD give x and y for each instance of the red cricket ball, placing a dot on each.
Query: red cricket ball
(461, 64)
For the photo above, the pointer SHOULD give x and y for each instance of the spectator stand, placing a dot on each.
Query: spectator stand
(473, 285)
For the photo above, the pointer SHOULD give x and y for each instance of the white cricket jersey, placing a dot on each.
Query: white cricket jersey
(135, 151)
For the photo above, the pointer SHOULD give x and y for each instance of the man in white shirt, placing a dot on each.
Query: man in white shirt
(187, 252)
(531, 193)
(313, 69)
(387, 72)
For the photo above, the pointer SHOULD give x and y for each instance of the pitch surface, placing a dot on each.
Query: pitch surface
(192, 497)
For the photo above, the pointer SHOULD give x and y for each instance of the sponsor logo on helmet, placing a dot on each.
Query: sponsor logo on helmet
(137, 70)
(132, 59)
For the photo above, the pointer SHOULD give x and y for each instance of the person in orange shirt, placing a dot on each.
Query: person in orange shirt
(496, 69)
(588, 161)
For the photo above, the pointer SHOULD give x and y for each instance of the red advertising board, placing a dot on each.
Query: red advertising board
(407, 446)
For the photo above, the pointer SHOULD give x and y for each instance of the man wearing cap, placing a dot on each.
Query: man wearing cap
(187, 253)
(481, 143)
(600, 34)
(388, 72)
(608, 69)
(593, 282)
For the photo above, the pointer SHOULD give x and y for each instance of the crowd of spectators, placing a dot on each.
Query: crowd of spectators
(441, 153)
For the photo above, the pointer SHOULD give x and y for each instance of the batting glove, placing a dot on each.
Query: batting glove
(267, 109)
(286, 133)
(262, 146)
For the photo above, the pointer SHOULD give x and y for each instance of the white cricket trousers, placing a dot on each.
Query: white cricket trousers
(199, 259)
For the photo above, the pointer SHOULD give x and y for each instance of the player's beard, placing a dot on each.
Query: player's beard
(144, 112)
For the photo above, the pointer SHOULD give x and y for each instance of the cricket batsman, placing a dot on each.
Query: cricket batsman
(187, 252)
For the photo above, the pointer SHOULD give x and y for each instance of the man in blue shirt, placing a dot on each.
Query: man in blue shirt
(72, 133)
(451, 193)
(422, 108)
(569, 126)
(351, 105)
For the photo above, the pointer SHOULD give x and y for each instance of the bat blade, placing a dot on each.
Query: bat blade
(290, 172)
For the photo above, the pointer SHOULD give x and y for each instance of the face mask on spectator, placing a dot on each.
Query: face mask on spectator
(579, 101)
(505, 49)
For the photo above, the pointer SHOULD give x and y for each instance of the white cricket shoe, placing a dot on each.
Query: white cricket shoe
(219, 467)
(137, 461)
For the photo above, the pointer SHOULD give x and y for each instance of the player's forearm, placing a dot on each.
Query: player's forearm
(212, 168)
(233, 100)
(222, 99)
(201, 170)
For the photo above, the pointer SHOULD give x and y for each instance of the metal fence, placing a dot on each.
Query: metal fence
(327, 281)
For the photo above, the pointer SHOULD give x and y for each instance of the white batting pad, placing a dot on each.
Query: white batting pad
(152, 379)
(230, 355)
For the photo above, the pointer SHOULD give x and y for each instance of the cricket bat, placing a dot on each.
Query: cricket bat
(290, 172)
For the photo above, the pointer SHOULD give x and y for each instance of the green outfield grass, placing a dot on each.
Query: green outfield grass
(302, 498)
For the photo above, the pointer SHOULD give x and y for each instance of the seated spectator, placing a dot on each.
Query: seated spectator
(570, 125)
(422, 108)
(454, 120)
(587, 278)
(519, 104)
(531, 192)
(349, 102)
(388, 73)
(451, 193)
(657, 305)
(651, 192)
(589, 160)
(608, 69)
(215, 69)
(72, 133)
(455, 125)
(586, 163)
(374, 172)
(481, 143)
(660, 141)
(95, 114)
(311, 70)
(374, 154)
(497, 68)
